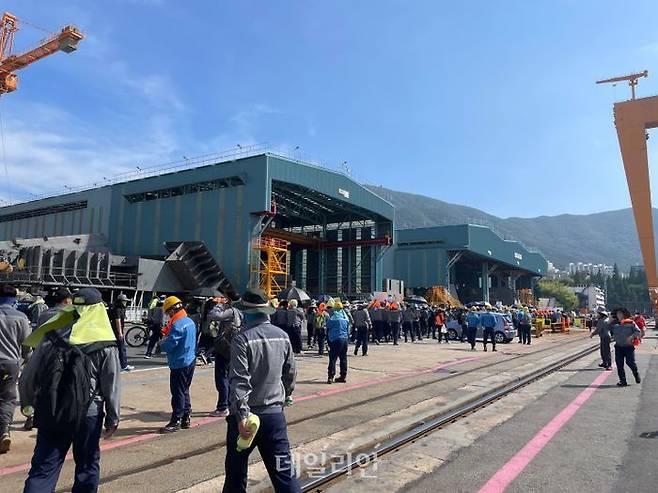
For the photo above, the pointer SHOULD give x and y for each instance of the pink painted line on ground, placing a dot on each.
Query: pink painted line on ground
(109, 445)
(511, 470)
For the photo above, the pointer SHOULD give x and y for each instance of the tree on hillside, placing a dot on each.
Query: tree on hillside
(553, 289)
(631, 291)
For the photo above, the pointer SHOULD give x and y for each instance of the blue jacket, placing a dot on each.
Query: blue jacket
(338, 326)
(180, 343)
(472, 319)
(520, 317)
(488, 320)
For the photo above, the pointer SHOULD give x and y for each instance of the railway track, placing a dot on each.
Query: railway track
(320, 483)
(213, 448)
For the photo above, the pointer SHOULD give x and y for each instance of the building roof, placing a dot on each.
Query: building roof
(479, 240)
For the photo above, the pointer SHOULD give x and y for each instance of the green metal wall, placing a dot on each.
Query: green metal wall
(223, 218)
(420, 257)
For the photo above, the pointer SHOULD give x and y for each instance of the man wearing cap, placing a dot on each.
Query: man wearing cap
(180, 346)
(472, 322)
(83, 325)
(14, 329)
(118, 320)
(488, 321)
(261, 380)
(338, 326)
(60, 298)
(154, 321)
(362, 324)
(602, 328)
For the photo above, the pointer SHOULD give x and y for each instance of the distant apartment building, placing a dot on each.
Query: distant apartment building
(589, 297)
(590, 268)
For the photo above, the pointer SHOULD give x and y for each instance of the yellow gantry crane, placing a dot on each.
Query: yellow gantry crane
(67, 41)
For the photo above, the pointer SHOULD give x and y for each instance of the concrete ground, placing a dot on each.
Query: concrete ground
(575, 431)
(391, 387)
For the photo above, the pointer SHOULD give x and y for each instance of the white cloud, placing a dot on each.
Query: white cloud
(248, 119)
(47, 149)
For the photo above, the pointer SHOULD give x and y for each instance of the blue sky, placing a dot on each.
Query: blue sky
(488, 104)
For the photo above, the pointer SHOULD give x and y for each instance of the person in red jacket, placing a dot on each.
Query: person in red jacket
(440, 320)
(640, 321)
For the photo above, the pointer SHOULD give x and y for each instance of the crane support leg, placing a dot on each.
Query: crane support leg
(632, 119)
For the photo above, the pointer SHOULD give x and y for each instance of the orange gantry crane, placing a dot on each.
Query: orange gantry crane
(632, 119)
(67, 41)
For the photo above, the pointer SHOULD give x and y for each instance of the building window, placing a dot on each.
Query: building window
(204, 186)
(44, 211)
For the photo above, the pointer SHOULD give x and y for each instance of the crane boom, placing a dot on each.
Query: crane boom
(631, 78)
(67, 41)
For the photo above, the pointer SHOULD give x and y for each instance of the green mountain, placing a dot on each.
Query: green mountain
(604, 237)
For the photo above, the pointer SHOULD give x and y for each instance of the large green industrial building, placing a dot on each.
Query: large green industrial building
(461, 257)
(336, 228)
(202, 224)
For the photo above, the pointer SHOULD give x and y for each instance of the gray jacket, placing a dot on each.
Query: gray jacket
(361, 318)
(295, 317)
(227, 318)
(14, 329)
(624, 334)
(602, 328)
(105, 372)
(262, 371)
(47, 315)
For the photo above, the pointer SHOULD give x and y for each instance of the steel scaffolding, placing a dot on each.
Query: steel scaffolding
(272, 267)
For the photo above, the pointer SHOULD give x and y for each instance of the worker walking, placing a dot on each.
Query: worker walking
(77, 342)
(415, 321)
(154, 322)
(408, 323)
(36, 310)
(118, 321)
(525, 325)
(362, 324)
(311, 312)
(472, 322)
(488, 321)
(295, 321)
(321, 318)
(376, 315)
(229, 321)
(60, 298)
(262, 380)
(14, 329)
(180, 345)
(440, 321)
(602, 328)
(395, 321)
(338, 333)
(626, 334)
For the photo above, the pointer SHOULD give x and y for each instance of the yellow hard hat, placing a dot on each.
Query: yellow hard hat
(170, 302)
(338, 305)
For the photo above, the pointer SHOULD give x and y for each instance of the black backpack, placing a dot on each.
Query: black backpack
(64, 390)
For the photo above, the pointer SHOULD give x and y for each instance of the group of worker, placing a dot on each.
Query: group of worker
(76, 337)
(77, 329)
(627, 333)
